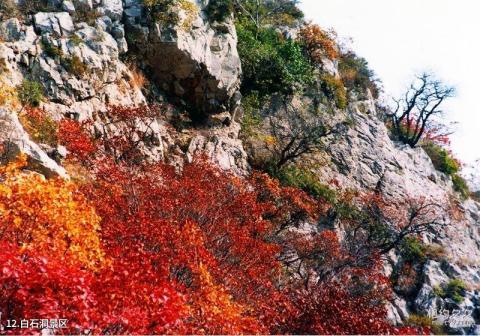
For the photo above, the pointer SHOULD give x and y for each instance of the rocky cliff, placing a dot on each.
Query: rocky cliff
(366, 159)
(193, 64)
(77, 56)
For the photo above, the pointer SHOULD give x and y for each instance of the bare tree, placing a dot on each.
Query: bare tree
(414, 113)
(384, 225)
(379, 226)
(296, 132)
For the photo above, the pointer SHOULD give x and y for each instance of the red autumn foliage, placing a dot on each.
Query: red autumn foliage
(195, 252)
(74, 135)
(336, 295)
(180, 226)
(120, 134)
(333, 308)
(124, 132)
(133, 297)
(34, 286)
(434, 132)
(124, 298)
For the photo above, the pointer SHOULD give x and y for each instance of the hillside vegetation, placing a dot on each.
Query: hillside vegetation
(128, 204)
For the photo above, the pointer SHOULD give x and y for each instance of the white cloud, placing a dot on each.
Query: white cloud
(401, 37)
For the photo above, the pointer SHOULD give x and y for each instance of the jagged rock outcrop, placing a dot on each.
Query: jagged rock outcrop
(14, 140)
(223, 147)
(60, 24)
(193, 59)
(77, 63)
(77, 59)
(366, 159)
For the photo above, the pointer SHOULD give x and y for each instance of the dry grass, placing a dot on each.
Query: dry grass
(466, 261)
(436, 252)
(137, 78)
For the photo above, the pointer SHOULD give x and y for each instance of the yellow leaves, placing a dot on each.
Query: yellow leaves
(8, 96)
(269, 140)
(17, 222)
(191, 12)
(49, 215)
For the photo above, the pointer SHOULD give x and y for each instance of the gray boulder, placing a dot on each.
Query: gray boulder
(113, 9)
(60, 24)
(10, 30)
(222, 147)
(193, 59)
(15, 140)
(68, 6)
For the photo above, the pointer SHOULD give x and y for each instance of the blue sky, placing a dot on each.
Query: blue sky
(402, 37)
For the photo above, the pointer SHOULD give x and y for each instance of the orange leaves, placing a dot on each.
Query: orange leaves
(49, 215)
(318, 43)
(214, 310)
(14, 166)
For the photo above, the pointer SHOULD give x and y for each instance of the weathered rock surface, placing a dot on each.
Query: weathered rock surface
(199, 63)
(194, 60)
(60, 24)
(366, 159)
(15, 140)
(223, 147)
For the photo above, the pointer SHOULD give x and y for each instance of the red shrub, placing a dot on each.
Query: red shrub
(35, 287)
(196, 252)
(74, 135)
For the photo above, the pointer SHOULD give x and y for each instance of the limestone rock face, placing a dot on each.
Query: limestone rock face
(222, 147)
(113, 9)
(42, 50)
(194, 59)
(15, 140)
(60, 24)
(364, 158)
